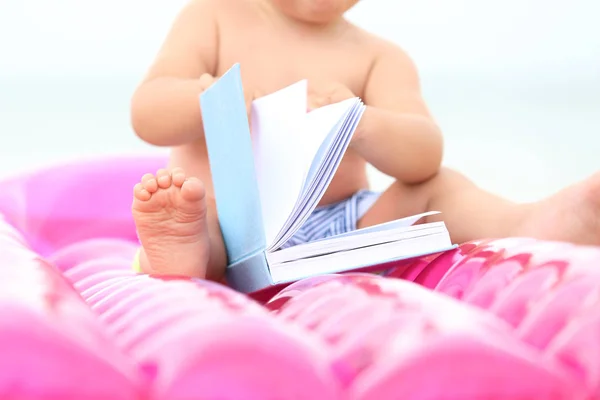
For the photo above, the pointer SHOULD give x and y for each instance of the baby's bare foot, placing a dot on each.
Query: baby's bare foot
(571, 215)
(170, 214)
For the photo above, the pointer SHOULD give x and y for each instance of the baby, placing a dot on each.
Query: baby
(277, 43)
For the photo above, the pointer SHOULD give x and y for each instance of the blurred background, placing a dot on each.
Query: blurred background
(515, 85)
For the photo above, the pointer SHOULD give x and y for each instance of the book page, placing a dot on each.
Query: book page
(395, 224)
(295, 154)
(324, 125)
(325, 163)
(283, 153)
(336, 244)
(361, 257)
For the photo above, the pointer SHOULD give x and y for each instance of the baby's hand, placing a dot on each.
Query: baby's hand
(324, 93)
(206, 80)
(250, 96)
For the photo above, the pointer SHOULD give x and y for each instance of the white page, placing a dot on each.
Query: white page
(330, 156)
(322, 170)
(329, 165)
(280, 151)
(336, 244)
(396, 224)
(335, 140)
(319, 131)
(319, 123)
(361, 257)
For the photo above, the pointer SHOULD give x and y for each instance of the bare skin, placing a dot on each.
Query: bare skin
(284, 41)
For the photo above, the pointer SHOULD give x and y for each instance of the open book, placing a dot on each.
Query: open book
(266, 187)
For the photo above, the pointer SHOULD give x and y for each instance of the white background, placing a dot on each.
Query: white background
(515, 84)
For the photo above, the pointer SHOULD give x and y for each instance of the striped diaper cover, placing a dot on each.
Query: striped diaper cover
(334, 219)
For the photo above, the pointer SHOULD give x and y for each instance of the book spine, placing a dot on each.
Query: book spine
(250, 274)
(232, 166)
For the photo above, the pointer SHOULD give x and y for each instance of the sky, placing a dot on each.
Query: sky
(548, 37)
(515, 84)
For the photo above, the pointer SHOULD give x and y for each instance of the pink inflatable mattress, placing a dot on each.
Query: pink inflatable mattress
(498, 319)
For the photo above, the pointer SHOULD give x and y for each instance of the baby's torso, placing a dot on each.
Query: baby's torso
(272, 56)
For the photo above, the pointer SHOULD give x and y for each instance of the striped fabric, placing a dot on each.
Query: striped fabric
(334, 219)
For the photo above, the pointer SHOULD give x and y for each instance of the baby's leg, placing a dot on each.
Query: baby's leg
(472, 213)
(177, 228)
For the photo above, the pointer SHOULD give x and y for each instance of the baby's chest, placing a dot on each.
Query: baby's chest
(269, 63)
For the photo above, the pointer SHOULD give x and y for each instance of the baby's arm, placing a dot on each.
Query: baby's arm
(165, 108)
(397, 135)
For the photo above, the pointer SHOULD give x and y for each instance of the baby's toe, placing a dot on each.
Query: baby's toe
(178, 175)
(192, 189)
(163, 178)
(149, 183)
(141, 193)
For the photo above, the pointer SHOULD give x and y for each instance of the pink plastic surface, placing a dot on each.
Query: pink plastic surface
(52, 345)
(492, 319)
